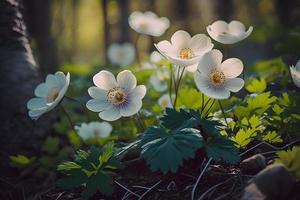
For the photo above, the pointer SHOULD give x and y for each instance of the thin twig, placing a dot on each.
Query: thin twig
(199, 178)
(128, 190)
(207, 112)
(151, 188)
(202, 103)
(178, 86)
(269, 145)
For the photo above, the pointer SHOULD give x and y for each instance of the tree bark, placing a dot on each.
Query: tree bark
(124, 27)
(19, 78)
(39, 26)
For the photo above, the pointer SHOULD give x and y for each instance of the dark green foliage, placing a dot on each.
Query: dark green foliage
(89, 170)
(165, 151)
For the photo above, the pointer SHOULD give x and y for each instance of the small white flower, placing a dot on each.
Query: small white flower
(48, 94)
(230, 33)
(216, 79)
(94, 130)
(295, 73)
(159, 81)
(115, 98)
(156, 57)
(164, 101)
(148, 23)
(185, 50)
(121, 54)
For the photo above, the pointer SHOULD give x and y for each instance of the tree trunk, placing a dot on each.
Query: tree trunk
(124, 27)
(19, 78)
(39, 26)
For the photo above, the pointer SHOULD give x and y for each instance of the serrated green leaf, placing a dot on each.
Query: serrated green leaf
(166, 151)
(19, 160)
(74, 179)
(190, 98)
(272, 137)
(277, 109)
(290, 159)
(256, 86)
(68, 166)
(242, 138)
(222, 148)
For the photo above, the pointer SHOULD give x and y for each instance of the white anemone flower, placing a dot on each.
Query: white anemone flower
(215, 78)
(165, 101)
(94, 130)
(121, 54)
(48, 94)
(148, 23)
(115, 98)
(159, 81)
(295, 73)
(230, 33)
(184, 50)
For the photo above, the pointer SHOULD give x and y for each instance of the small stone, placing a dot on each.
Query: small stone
(251, 192)
(274, 182)
(254, 164)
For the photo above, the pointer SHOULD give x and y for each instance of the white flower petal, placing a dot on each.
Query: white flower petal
(105, 80)
(139, 92)
(165, 47)
(184, 62)
(51, 81)
(236, 27)
(218, 26)
(235, 84)
(97, 105)
(41, 90)
(232, 67)
(105, 129)
(61, 78)
(111, 114)
(210, 61)
(36, 103)
(126, 80)
(180, 39)
(35, 114)
(97, 93)
(297, 67)
(192, 68)
(200, 44)
(295, 76)
(131, 108)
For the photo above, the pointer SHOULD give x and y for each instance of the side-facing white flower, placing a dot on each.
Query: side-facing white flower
(295, 73)
(94, 130)
(115, 98)
(230, 33)
(159, 81)
(121, 54)
(48, 94)
(164, 101)
(184, 50)
(216, 79)
(148, 23)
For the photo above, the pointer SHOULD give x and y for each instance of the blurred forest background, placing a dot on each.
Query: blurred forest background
(79, 31)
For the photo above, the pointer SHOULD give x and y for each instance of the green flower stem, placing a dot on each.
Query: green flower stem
(177, 85)
(221, 107)
(81, 104)
(171, 82)
(211, 105)
(68, 117)
(142, 122)
(199, 178)
(137, 53)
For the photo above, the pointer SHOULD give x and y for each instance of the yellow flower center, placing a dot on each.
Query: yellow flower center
(186, 53)
(217, 78)
(52, 95)
(116, 96)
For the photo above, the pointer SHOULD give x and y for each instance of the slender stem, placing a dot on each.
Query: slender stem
(171, 84)
(207, 112)
(81, 104)
(202, 103)
(223, 113)
(128, 190)
(178, 85)
(199, 178)
(137, 53)
(68, 117)
(140, 118)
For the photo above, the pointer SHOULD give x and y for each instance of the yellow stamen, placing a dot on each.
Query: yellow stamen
(186, 53)
(116, 96)
(217, 77)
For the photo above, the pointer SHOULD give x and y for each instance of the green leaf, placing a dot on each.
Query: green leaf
(290, 159)
(68, 166)
(98, 182)
(256, 86)
(166, 151)
(222, 148)
(243, 138)
(20, 159)
(74, 179)
(277, 109)
(272, 137)
(174, 119)
(106, 154)
(190, 98)
(51, 145)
